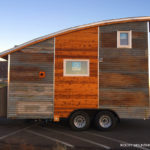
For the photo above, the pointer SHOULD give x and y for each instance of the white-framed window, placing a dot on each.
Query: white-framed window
(76, 67)
(124, 39)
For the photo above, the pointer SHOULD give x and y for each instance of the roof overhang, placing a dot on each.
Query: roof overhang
(100, 23)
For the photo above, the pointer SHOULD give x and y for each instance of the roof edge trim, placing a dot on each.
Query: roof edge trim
(72, 29)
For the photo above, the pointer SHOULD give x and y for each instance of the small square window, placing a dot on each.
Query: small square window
(76, 67)
(124, 39)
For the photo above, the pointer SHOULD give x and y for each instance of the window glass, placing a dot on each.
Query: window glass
(76, 67)
(124, 39)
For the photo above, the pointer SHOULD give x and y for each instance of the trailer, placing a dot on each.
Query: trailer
(97, 72)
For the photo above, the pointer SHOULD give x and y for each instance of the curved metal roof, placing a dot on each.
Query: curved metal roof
(100, 23)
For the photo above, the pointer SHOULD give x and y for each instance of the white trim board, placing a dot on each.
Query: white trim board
(76, 60)
(129, 39)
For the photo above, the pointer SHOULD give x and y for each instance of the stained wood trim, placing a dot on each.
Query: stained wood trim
(98, 64)
(82, 27)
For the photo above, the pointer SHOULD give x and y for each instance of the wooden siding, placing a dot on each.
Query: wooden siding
(78, 92)
(123, 74)
(29, 95)
(41, 109)
(3, 101)
(133, 112)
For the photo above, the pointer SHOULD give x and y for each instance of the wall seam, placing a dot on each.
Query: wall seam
(98, 65)
(8, 82)
(148, 40)
(54, 81)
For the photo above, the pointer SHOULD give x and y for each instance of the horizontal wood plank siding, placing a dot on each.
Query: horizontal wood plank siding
(129, 112)
(124, 97)
(73, 93)
(123, 74)
(29, 95)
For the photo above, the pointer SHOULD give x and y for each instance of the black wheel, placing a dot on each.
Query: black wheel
(105, 120)
(79, 121)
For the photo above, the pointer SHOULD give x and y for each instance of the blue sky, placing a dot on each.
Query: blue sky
(24, 20)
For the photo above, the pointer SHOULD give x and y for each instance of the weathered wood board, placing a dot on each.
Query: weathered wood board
(31, 96)
(123, 74)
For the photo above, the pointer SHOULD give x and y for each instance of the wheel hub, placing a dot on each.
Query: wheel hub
(105, 121)
(79, 121)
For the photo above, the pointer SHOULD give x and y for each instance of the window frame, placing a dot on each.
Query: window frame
(129, 39)
(74, 60)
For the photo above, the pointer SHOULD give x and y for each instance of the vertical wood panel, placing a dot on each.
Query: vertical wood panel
(76, 92)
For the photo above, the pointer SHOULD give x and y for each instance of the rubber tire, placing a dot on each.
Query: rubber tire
(71, 120)
(111, 115)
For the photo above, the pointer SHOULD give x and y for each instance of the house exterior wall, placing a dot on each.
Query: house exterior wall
(75, 92)
(29, 95)
(119, 82)
(123, 74)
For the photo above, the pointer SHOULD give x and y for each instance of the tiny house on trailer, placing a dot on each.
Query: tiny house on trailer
(97, 72)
